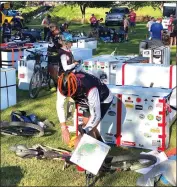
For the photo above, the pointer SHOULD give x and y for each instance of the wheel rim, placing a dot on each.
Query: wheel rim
(35, 84)
(25, 131)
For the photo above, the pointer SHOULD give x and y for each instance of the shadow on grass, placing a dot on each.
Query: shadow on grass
(11, 175)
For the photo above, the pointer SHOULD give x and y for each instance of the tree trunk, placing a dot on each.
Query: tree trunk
(83, 8)
(176, 10)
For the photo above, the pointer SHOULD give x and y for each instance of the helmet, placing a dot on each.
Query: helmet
(67, 84)
(67, 37)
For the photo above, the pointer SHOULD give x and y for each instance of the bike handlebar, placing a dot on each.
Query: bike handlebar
(35, 53)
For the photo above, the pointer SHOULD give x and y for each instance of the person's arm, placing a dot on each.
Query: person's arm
(44, 23)
(95, 109)
(64, 63)
(147, 25)
(60, 108)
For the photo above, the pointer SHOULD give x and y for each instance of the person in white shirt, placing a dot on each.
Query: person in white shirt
(65, 54)
(149, 24)
(87, 91)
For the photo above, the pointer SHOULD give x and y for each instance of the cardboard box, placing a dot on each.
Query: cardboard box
(10, 57)
(8, 88)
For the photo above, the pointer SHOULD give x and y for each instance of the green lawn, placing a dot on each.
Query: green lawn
(32, 172)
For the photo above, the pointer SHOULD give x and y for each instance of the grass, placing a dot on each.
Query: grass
(32, 172)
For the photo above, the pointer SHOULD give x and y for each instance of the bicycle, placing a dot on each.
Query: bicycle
(127, 162)
(21, 129)
(41, 76)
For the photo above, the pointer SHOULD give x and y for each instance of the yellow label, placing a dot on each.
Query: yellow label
(155, 130)
(129, 105)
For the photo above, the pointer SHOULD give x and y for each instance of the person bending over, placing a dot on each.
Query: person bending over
(87, 91)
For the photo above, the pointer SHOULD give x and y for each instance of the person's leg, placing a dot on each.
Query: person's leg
(134, 24)
(130, 27)
(5, 39)
(45, 33)
(175, 40)
(94, 132)
(171, 41)
(126, 34)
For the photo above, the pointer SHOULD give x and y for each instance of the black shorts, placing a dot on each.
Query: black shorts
(173, 34)
(126, 30)
(104, 109)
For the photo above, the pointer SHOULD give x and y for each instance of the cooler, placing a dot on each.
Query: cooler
(138, 59)
(161, 55)
(138, 117)
(8, 88)
(148, 53)
(84, 42)
(81, 53)
(162, 76)
(103, 66)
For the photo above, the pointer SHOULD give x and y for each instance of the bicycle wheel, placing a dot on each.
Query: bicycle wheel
(129, 162)
(51, 82)
(21, 129)
(35, 84)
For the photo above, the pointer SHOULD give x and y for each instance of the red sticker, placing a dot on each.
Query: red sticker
(80, 75)
(128, 143)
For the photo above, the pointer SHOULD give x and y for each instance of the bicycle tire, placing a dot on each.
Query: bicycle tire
(5, 125)
(50, 85)
(33, 81)
(129, 162)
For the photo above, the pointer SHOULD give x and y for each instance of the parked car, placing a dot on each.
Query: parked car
(115, 16)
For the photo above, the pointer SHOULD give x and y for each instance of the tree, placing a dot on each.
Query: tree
(139, 4)
(85, 4)
(18, 4)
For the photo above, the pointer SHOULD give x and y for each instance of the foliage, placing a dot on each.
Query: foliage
(18, 4)
(92, 4)
(139, 4)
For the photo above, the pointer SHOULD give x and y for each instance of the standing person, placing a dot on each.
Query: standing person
(174, 32)
(126, 26)
(64, 59)
(132, 17)
(88, 91)
(7, 30)
(170, 23)
(93, 20)
(64, 27)
(65, 54)
(157, 30)
(45, 23)
(149, 24)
